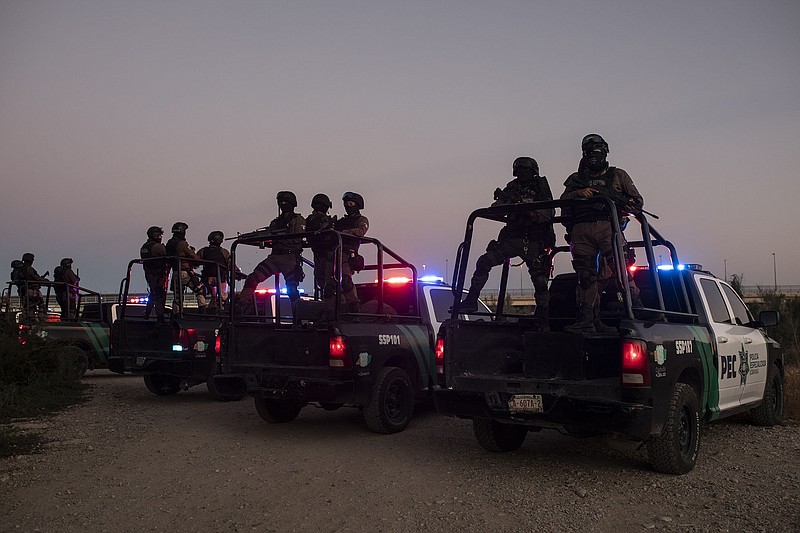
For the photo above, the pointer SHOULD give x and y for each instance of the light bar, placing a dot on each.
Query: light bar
(671, 267)
(431, 279)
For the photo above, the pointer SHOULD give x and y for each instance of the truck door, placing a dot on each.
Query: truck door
(752, 349)
(729, 342)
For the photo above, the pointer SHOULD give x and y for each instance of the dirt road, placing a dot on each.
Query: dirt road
(131, 461)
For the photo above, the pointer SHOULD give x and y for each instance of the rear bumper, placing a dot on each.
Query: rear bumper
(148, 364)
(307, 388)
(631, 420)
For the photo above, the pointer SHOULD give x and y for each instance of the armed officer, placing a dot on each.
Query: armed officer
(589, 228)
(285, 256)
(34, 303)
(529, 236)
(66, 288)
(179, 247)
(155, 272)
(219, 256)
(321, 246)
(356, 225)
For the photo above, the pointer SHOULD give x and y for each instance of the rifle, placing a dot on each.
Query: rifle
(624, 200)
(506, 197)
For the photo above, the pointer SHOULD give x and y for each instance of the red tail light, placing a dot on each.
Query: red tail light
(218, 345)
(337, 353)
(180, 340)
(635, 363)
(439, 352)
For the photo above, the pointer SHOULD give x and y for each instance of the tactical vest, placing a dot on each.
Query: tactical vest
(286, 246)
(146, 252)
(594, 211)
(214, 253)
(350, 244)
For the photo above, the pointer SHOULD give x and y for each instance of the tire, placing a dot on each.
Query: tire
(162, 385)
(497, 437)
(674, 451)
(770, 412)
(75, 362)
(277, 411)
(391, 403)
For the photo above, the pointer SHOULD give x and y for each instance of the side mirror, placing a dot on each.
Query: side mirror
(769, 318)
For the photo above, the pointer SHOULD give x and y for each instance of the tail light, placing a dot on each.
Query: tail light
(218, 345)
(180, 340)
(337, 353)
(439, 353)
(635, 363)
(23, 332)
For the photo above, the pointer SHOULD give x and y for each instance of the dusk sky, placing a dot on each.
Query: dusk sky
(119, 115)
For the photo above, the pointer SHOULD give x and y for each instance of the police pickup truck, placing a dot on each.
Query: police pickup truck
(174, 355)
(86, 326)
(379, 359)
(691, 352)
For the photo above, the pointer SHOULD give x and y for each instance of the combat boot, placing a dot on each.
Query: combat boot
(542, 316)
(470, 303)
(585, 322)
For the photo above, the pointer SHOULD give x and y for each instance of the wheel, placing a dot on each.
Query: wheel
(391, 403)
(75, 361)
(162, 385)
(770, 412)
(496, 437)
(674, 451)
(277, 411)
(212, 389)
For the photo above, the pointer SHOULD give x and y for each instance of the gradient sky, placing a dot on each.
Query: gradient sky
(118, 115)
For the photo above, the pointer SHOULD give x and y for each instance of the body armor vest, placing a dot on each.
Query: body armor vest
(146, 252)
(214, 253)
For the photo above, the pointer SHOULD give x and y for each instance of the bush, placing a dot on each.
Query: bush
(787, 333)
(36, 377)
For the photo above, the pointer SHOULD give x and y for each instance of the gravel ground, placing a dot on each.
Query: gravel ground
(131, 461)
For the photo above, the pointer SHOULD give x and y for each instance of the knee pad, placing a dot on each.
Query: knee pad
(586, 270)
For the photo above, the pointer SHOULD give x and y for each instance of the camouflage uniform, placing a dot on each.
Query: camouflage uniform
(284, 259)
(589, 230)
(155, 274)
(356, 225)
(529, 236)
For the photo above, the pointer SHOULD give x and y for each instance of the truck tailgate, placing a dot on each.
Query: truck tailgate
(259, 346)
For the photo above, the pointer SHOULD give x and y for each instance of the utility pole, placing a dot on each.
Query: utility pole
(775, 271)
(726, 269)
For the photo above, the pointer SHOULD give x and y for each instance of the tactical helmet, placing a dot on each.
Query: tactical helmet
(357, 198)
(180, 227)
(287, 196)
(66, 262)
(525, 164)
(591, 140)
(16, 263)
(152, 231)
(216, 237)
(322, 201)
(27, 257)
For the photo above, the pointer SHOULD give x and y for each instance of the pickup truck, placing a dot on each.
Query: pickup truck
(88, 330)
(379, 359)
(693, 352)
(181, 352)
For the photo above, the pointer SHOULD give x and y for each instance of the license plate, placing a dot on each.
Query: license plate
(140, 361)
(526, 403)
